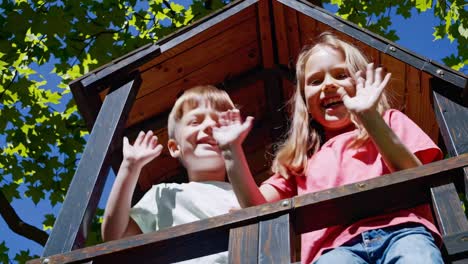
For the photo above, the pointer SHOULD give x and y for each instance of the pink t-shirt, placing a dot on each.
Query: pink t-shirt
(335, 165)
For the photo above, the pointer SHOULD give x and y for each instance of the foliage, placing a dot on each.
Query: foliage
(375, 15)
(42, 132)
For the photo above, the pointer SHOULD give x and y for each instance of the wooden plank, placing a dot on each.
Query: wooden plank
(205, 29)
(281, 38)
(120, 68)
(195, 239)
(451, 116)
(396, 88)
(88, 104)
(276, 243)
(354, 199)
(243, 244)
(86, 187)
(307, 29)
(448, 211)
(418, 104)
(198, 56)
(456, 243)
(144, 107)
(264, 29)
(294, 40)
(403, 189)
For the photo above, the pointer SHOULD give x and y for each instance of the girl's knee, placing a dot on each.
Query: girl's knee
(339, 255)
(416, 248)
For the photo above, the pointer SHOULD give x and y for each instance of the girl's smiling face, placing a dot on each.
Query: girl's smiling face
(325, 72)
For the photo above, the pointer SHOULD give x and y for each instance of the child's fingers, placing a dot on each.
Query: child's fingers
(222, 118)
(247, 125)
(344, 95)
(126, 144)
(158, 149)
(378, 75)
(147, 139)
(236, 117)
(140, 138)
(369, 74)
(360, 83)
(384, 82)
(154, 141)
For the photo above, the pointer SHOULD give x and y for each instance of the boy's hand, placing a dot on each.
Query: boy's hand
(232, 131)
(368, 90)
(145, 149)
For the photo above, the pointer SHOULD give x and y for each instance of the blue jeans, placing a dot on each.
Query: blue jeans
(397, 244)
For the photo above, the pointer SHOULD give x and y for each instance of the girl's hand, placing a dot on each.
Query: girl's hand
(144, 150)
(232, 131)
(368, 90)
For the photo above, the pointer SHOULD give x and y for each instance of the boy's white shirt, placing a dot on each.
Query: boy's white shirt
(170, 204)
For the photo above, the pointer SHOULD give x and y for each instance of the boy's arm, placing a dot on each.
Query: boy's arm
(117, 222)
(230, 136)
(363, 105)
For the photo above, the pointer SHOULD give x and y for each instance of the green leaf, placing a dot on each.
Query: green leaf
(423, 5)
(4, 253)
(48, 223)
(24, 255)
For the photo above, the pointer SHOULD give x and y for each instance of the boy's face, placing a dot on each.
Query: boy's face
(195, 146)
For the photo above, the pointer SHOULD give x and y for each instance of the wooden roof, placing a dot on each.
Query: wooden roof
(249, 49)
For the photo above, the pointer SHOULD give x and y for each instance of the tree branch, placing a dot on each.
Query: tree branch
(18, 226)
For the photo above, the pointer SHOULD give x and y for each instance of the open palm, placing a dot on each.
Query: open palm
(368, 90)
(232, 130)
(145, 149)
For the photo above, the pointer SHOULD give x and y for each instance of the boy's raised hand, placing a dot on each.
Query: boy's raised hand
(231, 130)
(368, 90)
(145, 149)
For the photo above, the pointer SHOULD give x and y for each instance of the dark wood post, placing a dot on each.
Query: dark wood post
(243, 244)
(276, 243)
(85, 190)
(452, 118)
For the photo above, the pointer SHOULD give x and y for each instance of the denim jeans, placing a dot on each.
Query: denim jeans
(397, 244)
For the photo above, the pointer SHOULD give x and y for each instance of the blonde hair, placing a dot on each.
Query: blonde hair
(192, 98)
(303, 140)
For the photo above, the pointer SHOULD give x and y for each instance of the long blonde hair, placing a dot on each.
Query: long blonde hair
(303, 139)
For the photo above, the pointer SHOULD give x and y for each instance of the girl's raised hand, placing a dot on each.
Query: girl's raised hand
(368, 90)
(145, 149)
(232, 130)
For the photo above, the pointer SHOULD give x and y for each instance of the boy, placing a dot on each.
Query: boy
(190, 129)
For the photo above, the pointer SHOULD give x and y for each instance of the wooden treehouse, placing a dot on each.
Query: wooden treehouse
(249, 49)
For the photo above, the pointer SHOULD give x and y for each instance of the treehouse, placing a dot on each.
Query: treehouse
(249, 49)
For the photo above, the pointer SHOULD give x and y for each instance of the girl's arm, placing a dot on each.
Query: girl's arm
(117, 222)
(363, 105)
(230, 136)
(395, 154)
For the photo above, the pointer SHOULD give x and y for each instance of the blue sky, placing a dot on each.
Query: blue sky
(415, 35)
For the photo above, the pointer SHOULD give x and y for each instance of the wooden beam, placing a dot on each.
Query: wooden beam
(451, 218)
(447, 207)
(353, 199)
(120, 68)
(265, 33)
(70, 229)
(195, 239)
(378, 42)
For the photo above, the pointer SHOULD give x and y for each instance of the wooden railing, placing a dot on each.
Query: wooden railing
(265, 234)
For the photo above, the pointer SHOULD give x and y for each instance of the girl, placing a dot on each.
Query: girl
(342, 131)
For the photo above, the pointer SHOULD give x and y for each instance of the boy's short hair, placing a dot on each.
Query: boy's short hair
(191, 98)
